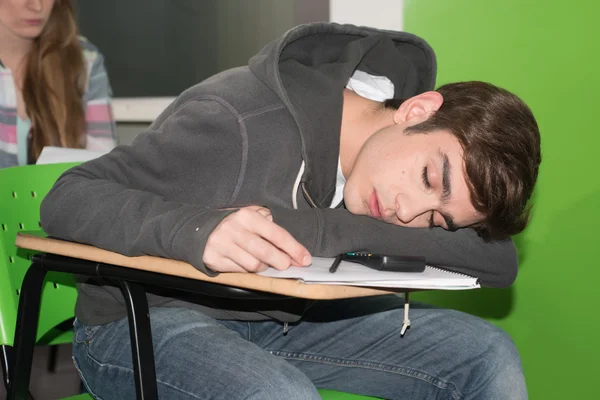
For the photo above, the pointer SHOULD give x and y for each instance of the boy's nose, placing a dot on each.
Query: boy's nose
(408, 207)
(405, 211)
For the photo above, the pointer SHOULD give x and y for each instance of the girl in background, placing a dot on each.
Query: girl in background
(54, 90)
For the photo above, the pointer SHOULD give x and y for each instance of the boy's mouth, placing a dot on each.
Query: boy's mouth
(374, 206)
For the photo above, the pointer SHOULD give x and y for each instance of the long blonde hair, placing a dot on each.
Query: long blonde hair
(55, 79)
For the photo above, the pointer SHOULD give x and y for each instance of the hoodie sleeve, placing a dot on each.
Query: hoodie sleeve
(328, 232)
(132, 201)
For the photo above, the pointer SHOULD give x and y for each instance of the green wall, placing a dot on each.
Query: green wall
(548, 53)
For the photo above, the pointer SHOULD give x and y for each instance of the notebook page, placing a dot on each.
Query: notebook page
(54, 155)
(354, 274)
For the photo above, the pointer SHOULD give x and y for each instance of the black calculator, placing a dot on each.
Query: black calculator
(382, 262)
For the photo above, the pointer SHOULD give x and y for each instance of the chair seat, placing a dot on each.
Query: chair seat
(79, 397)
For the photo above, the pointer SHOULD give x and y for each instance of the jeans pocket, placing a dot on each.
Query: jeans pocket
(86, 333)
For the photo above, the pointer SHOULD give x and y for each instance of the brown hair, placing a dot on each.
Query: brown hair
(501, 143)
(54, 84)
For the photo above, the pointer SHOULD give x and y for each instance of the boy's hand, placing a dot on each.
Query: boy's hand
(249, 241)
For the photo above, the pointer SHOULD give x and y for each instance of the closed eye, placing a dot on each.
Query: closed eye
(425, 177)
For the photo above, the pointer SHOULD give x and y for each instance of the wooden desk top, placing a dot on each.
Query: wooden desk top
(287, 287)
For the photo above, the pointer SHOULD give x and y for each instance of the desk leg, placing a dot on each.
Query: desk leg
(140, 331)
(26, 331)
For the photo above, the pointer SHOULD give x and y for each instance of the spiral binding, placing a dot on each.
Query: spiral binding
(449, 271)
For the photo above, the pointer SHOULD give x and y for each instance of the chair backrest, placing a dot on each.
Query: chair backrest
(21, 192)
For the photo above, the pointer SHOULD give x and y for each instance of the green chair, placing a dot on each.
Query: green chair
(21, 192)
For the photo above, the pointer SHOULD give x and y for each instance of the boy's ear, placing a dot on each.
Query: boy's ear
(418, 108)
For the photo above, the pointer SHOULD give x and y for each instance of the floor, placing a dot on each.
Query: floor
(62, 382)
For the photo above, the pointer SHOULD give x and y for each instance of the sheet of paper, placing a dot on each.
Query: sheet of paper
(357, 275)
(55, 155)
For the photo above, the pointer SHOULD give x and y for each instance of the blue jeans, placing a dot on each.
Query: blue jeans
(351, 345)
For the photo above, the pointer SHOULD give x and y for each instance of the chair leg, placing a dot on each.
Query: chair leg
(4, 357)
(140, 331)
(26, 332)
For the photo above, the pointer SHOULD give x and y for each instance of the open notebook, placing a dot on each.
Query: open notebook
(53, 155)
(354, 274)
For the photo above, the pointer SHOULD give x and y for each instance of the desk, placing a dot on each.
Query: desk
(285, 287)
(130, 273)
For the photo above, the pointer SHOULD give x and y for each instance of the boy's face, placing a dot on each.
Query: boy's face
(414, 180)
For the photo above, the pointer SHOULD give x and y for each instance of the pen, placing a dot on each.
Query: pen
(336, 263)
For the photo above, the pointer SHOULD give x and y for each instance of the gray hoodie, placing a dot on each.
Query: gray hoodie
(260, 134)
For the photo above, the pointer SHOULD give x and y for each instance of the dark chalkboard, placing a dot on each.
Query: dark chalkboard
(161, 47)
(152, 47)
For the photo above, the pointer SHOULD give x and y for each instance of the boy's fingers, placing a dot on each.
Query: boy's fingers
(234, 259)
(282, 239)
(264, 250)
(248, 240)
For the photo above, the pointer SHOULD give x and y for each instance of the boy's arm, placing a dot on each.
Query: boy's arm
(328, 232)
(118, 201)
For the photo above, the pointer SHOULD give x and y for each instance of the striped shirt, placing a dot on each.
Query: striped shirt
(100, 131)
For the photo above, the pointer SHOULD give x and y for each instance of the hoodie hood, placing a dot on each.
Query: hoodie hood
(309, 67)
